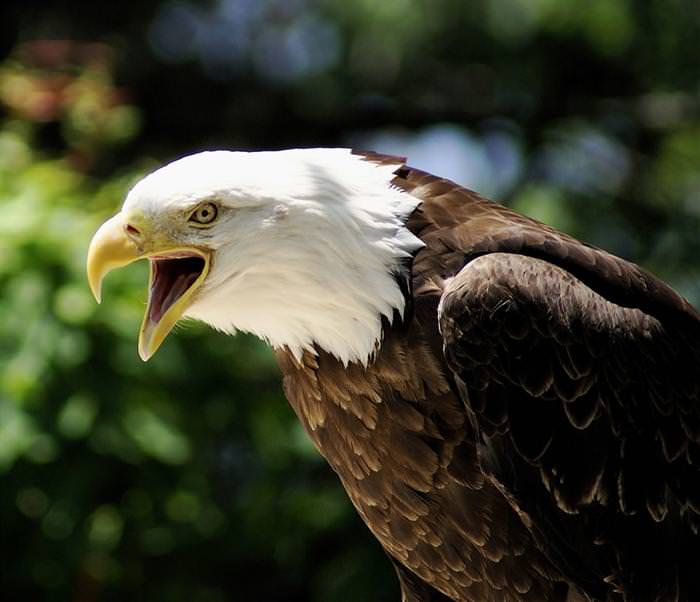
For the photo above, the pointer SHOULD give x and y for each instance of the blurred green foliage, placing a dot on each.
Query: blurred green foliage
(189, 478)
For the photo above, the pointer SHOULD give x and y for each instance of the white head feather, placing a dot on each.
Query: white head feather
(306, 248)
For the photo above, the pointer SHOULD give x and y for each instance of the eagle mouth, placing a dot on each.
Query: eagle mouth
(171, 277)
(176, 275)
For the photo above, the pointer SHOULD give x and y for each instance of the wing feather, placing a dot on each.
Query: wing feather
(593, 400)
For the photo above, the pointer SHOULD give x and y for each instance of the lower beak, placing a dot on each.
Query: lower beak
(176, 274)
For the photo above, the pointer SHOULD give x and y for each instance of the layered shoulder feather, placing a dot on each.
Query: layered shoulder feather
(581, 371)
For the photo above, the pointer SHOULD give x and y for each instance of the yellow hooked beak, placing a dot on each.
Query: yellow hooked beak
(176, 272)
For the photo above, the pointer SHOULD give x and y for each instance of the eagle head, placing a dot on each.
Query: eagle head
(301, 247)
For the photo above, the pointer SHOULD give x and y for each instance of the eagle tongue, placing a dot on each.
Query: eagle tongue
(170, 279)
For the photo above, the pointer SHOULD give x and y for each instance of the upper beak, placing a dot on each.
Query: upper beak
(118, 243)
(110, 248)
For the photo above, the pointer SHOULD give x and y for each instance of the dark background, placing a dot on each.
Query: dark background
(188, 478)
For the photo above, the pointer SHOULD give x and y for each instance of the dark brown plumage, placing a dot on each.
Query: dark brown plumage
(530, 430)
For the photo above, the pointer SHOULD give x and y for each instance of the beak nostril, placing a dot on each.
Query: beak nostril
(132, 230)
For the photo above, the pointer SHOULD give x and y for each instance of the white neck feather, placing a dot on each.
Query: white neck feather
(316, 263)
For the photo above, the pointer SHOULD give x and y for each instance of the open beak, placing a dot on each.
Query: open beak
(176, 273)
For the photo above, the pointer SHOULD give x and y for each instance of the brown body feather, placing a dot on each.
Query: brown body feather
(542, 439)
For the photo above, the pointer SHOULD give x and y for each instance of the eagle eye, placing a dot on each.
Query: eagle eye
(204, 214)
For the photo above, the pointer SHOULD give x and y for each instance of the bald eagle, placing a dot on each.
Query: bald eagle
(514, 414)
